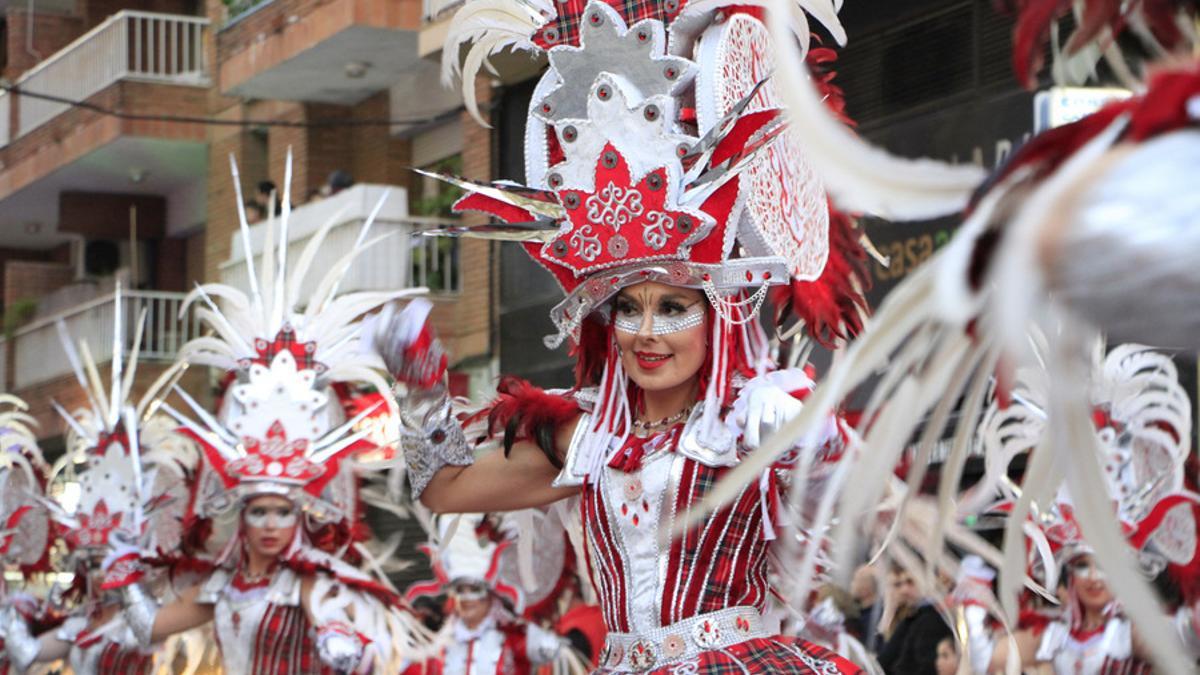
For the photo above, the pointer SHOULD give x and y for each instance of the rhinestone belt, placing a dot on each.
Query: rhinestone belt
(683, 640)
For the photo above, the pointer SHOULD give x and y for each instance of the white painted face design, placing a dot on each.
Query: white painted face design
(1087, 569)
(669, 317)
(270, 516)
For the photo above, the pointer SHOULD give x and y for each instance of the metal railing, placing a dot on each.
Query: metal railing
(433, 261)
(432, 10)
(39, 356)
(144, 46)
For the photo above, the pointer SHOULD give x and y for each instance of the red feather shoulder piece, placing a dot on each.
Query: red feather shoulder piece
(526, 412)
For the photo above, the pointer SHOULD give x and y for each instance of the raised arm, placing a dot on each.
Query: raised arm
(441, 464)
(151, 623)
(498, 483)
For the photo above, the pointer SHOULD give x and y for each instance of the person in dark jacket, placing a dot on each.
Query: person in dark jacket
(915, 630)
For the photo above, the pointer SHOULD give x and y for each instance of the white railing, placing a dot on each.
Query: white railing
(434, 260)
(434, 9)
(39, 354)
(164, 48)
(388, 264)
(5, 118)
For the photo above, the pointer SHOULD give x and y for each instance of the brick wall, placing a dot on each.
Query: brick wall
(51, 32)
(67, 392)
(77, 132)
(222, 201)
(467, 320)
(26, 279)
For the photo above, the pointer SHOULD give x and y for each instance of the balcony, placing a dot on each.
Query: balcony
(38, 355)
(337, 51)
(401, 260)
(129, 45)
(134, 62)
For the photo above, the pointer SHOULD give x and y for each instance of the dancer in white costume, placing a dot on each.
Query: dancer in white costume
(284, 459)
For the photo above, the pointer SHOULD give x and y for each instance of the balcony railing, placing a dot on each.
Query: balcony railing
(236, 9)
(400, 260)
(39, 354)
(128, 45)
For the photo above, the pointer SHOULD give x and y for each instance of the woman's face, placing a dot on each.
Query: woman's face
(947, 658)
(269, 522)
(661, 332)
(1090, 584)
(473, 602)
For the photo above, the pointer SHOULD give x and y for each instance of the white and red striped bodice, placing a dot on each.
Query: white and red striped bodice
(262, 628)
(1105, 652)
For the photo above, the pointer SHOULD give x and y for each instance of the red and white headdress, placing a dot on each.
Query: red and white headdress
(281, 427)
(125, 478)
(656, 149)
(25, 532)
(1143, 422)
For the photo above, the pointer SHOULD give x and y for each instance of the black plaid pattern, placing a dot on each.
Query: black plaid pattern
(564, 29)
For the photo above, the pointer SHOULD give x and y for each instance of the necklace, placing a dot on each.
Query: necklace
(665, 423)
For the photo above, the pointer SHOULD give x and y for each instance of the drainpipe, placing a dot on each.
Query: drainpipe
(29, 33)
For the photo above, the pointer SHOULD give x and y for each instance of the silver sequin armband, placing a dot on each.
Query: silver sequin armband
(431, 437)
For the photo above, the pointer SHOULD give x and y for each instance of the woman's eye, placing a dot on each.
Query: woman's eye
(672, 308)
(626, 309)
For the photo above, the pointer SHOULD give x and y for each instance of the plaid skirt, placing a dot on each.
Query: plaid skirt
(777, 654)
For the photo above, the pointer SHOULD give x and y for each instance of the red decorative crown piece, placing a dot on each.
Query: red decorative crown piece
(95, 528)
(275, 458)
(620, 221)
(285, 340)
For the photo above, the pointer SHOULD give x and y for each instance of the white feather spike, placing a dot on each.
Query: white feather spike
(860, 177)
(134, 351)
(97, 385)
(135, 459)
(363, 231)
(209, 421)
(76, 367)
(213, 439)
(148, 405)
(221, 324)
(300, 269)
(244, 229)
(118, 347)
(73, 423)
(281, 305)
(337, 271)
(336, 433)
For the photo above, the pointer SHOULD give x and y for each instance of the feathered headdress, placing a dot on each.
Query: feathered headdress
(25, 532)
(124, 480)
(1143, 423)
(281, 427)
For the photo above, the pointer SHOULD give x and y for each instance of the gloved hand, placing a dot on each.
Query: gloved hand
(340, 647)
(405, 341)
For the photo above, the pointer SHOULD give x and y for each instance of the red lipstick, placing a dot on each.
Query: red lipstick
(650, 360)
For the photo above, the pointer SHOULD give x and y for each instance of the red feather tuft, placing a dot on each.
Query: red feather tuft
(833, 306)
(1031, 34)
(526, 412)
(820, 63)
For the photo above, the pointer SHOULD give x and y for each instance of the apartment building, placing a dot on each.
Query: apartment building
(142, 200)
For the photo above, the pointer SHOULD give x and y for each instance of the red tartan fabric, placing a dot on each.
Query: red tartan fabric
(115, 660)
(284, 644)
(765, 655)
(718, 564)
(564, 28)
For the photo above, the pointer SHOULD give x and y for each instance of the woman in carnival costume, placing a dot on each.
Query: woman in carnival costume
(25, 531)
(131, 473)
(283, 459)
(474, 562)
(1143, 428)
(667, 197)
(1088, 229)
